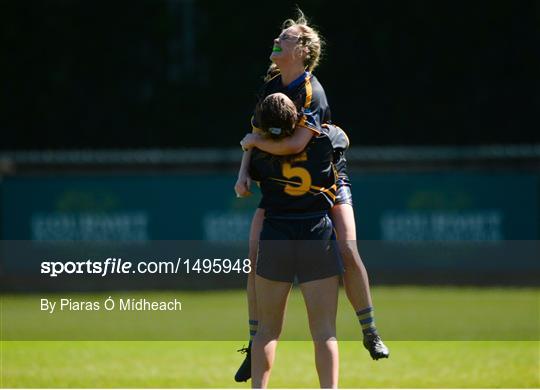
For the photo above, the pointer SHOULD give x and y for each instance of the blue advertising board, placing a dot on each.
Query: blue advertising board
(431, 206)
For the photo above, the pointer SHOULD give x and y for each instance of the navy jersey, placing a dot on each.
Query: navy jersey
(303, 183)
(307, 94)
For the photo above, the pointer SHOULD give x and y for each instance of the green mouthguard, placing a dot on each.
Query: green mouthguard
(276, 49)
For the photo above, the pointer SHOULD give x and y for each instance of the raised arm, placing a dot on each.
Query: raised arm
(289, 145)
(243, 183)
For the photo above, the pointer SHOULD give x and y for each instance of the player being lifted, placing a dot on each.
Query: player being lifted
(295, 54)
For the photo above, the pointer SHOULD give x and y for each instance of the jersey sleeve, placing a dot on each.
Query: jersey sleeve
(338, 137)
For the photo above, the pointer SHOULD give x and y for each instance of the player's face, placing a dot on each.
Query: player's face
(286, 47)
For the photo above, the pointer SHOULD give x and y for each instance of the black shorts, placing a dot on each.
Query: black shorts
(298, 247)
(343, 193)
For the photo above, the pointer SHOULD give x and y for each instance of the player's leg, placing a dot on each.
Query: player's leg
(244, 372)
(254, 234)
(318, 266)
(321, 297)
(271, 302)
(356, 279)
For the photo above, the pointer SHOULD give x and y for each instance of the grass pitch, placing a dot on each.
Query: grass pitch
(465, 363)
(128, 364)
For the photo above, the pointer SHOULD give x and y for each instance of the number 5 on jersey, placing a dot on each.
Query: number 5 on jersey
(295, 188)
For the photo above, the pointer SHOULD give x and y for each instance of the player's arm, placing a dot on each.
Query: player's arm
(289, 145)
(243, 183)
(308, 125)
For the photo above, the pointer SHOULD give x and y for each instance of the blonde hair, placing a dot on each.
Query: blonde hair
(309, 38)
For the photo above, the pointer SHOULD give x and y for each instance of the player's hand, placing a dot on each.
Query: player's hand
(249, 141)
(242, 186)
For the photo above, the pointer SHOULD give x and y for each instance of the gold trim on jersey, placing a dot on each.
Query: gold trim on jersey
(317, 190)
(309, 94)
(301, 157)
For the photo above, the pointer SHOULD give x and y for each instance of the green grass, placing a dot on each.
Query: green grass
(439, 337)
(80, 364)
(402, 313)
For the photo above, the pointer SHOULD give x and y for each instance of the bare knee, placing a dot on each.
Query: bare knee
(350, 255)
(268, 333)
(323, 329)
(252, 255)
(324, 333)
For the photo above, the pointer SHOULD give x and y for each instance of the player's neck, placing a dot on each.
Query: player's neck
(288, 75)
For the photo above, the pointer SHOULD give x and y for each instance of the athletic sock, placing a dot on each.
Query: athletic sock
(253, 325)
(367, 320)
